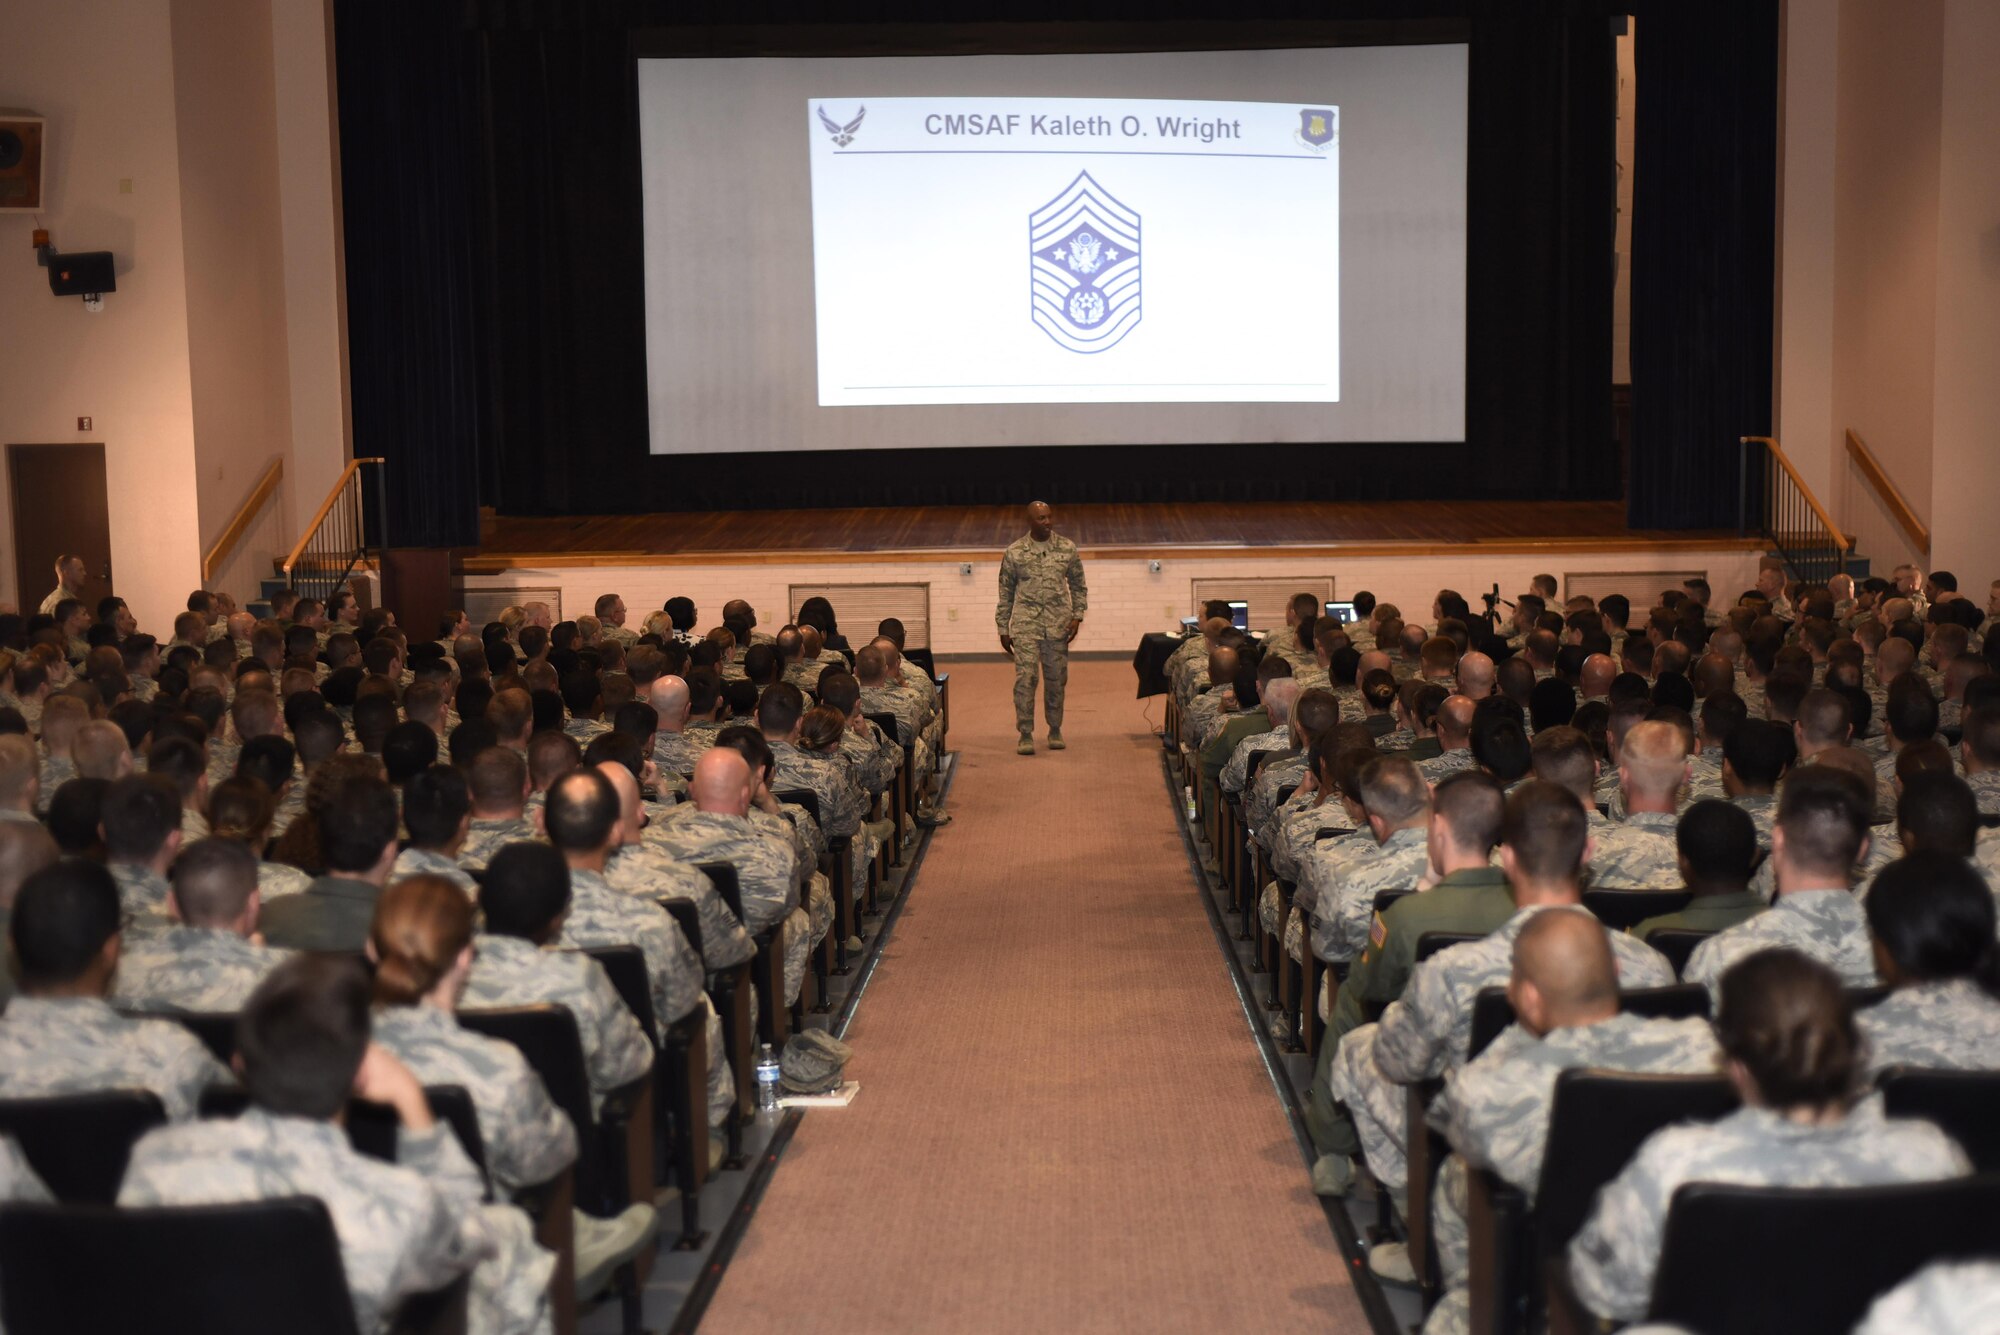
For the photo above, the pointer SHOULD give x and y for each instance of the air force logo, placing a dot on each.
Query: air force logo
(1319, 127)
(1083, 267)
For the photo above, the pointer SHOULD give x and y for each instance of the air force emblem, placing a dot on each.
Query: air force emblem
(1083, 267)
(843, 135)
(1319, 127)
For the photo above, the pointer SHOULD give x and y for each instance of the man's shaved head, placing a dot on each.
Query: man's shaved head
(721, 782)
(669, 697)
(1454, 719)
(1475, 676)
(1595, 679)
(1564, 974)
(1653, 756)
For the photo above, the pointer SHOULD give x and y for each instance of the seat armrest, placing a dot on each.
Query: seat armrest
(1497, 1248)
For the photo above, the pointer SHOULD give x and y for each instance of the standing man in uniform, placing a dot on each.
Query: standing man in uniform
(1041, 608)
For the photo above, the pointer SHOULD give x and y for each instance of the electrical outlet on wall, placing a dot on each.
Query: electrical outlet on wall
(951, 614)
(83, 424)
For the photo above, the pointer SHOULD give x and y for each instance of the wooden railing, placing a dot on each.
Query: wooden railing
(266, 487)
(1890, 495)
(1775, 501)
(337, 539)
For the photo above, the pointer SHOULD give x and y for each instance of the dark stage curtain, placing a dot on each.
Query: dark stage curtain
(413, 361)
(520, 194)
(1703, 241)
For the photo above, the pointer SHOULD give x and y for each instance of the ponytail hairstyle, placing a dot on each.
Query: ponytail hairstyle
(422, 924)
(1934, 917)
(1788, 1020)
(239, 810)
(820, 730)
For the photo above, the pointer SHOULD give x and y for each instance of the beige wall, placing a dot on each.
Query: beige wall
(226, 118)
(167, 123)
(98, 70)
(1890, 267)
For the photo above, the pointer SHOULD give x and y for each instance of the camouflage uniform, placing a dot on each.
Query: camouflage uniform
(1260, 806)
(1495, 1112)
(1950, 1025)
(142, 895)
(1944, 1298)
(600, 916)
(841, 803)
(276, 880)
(1446, 763)
(1611, 1261)
(651, 873)
(527, 1139)
(1826, 925)
(1427, 1033)
(873, 755)
(885, 698)
(1985, 787)
(767, 874)
(1762, 808)
(79, 1045)
(507, 971)
(429, 862)
(1340, 881)
(676, 752)
(1637, 854)
(1041, 592)
(487, 836)
(56, 771)
(203, 970)
(404, 1228)
(1236, 770)
(585, 730)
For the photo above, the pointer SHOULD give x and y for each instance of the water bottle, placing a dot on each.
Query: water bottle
(767, 1080)
(1193, 809)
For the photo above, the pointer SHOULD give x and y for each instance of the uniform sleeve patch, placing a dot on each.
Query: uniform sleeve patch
(1378, 932)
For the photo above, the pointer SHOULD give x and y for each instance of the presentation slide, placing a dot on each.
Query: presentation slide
(1018, 250)
(1150, 248)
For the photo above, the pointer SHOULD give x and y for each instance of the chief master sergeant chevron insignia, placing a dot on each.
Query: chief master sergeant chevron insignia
(1083, 267)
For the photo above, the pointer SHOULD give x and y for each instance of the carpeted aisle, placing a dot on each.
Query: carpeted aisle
(1063, 1122)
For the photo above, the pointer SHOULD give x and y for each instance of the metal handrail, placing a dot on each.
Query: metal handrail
(240, 524)
(336, 540)
(1891, 495)
(1786, 512)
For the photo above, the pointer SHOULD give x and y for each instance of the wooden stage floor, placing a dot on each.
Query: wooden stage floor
(1210, 528)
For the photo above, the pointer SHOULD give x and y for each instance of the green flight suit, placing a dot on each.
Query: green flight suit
(1474, 900)
(1708, 913)
(1220, 747)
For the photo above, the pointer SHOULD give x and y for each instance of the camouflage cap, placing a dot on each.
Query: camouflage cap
(811, 1063)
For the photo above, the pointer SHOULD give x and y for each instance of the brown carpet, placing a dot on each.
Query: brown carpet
(1063, 1123)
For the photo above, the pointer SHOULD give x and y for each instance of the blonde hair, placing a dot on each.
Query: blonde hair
(513, 618)
(422, 923)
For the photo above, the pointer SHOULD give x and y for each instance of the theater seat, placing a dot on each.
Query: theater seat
(1622, 910)
(1492, 1012)
(79, 1143)
(1677, 945)
(219, 1269)
(1839, 1248)
(1966, 1104)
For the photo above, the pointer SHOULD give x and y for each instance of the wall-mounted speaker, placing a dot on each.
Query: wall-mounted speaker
(86, 273)
(20, 162)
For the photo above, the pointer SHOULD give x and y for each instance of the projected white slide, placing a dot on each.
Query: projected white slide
(1135, 248)
(1030, 250)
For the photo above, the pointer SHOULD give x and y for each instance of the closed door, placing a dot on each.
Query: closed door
(59, 510)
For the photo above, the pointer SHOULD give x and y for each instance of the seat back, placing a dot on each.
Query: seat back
(1430, 943)
(1285, 792)
(801, 797)
(1677, 945)
(626, 967)
(1596, 1124)
(1677, 1001)
(547, 1036)
(97, 1269)
(1845, 1246)
(216, 1030)
(371, 1127)
(687, 915)
(887, 723)
(723, 876)
(1622, 909)
(1492, 1012)
(1965, 1104)
(1385, 898)
(79, 1143)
